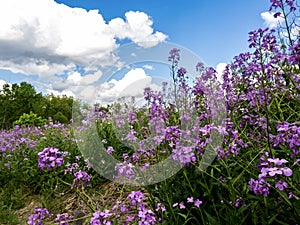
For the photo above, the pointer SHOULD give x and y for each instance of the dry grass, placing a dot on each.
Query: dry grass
(75, 202)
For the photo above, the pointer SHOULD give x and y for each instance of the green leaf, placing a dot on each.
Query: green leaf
(270, 221)
(211, 219)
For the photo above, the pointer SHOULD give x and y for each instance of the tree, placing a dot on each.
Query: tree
(19, 99)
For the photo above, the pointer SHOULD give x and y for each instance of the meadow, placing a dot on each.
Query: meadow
(234, 147)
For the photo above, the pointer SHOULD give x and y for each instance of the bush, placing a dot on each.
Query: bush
(31, 119)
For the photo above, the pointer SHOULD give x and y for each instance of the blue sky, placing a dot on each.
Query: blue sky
(63, 45)
(216, 30)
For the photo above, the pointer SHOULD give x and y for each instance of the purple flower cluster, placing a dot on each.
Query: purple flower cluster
(172, 135)
(182, 78)
(294, 57)
(288, 134)
(125, 170)
(18, 138)
(38, 215)
(144, 215)
(81, 178)
(102, 218)
(136, 197)
(259, 187)
(275, 4)
(62, 219)
(273, 170)
(160, 207)
(273, 167)
(190, 200)
(50, 158)
(174, 56)
(110, 150)
(139, 213)
(184, 155)
(71, 168)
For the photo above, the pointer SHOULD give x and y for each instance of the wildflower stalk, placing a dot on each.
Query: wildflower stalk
(263, 86)
(286, 23)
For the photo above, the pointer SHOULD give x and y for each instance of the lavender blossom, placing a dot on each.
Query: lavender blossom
(50, 157)
(38, 215)
(80, 179)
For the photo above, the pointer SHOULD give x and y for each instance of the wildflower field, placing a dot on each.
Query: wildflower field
(234, 146)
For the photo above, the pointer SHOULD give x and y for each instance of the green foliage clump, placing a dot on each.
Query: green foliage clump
(31, 119)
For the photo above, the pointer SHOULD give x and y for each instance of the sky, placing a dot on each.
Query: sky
(71, 46)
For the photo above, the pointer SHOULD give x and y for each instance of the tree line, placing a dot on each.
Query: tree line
(20, 103)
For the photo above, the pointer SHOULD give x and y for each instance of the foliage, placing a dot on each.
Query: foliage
(31, 119)
(20, 104)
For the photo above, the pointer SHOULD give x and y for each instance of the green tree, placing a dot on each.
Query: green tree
(31, 119)
(60, 107)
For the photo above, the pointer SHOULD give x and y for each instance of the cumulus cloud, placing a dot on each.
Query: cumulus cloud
(220, 69)
(270, 21)
(62, 93)
(44, 38)
(76, 78)
(132, 84)
(137, 28)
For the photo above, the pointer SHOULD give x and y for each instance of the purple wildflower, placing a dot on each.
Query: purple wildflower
(80, 179)
(197, 203)
(101, 218)
(190, 200)
(160, 207)
(260, 187)
(146, 216)
(38, 215)
(125, 170)
(200, 67)
(181, 205)
(110, 150)
(287, 171)
(62, 219)
(136, 197)
(281, 185)
(174, 56)
(184, 155)
(50, 157)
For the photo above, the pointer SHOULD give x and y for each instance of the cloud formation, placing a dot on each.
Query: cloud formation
(44, 38)
(132, 84)
(220, 69)
(270, 21)
(137, 28)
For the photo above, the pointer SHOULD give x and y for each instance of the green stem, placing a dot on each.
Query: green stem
(286, 24)
(264, 78)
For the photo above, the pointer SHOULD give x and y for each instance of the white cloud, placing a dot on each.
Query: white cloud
(220, 69)
(45, 38)
(132, 84)
(2, 82)
(62, 93)
(295, 32)
(270, 21)
(76, 85)
(137, 28)
(74, 77)
(82, 87)
(148, 67)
